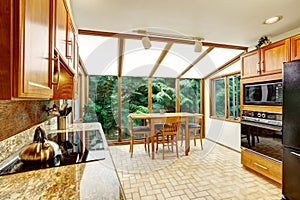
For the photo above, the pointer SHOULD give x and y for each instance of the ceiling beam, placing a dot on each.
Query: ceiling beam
(157, 39)
(160, 59)
(196, 61)
(227, 64)
(121, 56)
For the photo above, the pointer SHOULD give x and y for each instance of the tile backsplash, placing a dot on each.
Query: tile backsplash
(14, 143)
(19, 115)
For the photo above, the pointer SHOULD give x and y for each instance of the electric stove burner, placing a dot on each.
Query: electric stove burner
(75, 146)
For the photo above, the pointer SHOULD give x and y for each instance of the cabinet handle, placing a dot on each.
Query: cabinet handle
(69, 49)
(58, 72)
(295, 154)
(261, 166)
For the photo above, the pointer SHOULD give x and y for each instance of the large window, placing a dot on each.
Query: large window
(234, 96)
(219, 97)
(226, 94)
(190, 95)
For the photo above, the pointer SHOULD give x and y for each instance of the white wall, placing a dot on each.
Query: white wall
(223, 132)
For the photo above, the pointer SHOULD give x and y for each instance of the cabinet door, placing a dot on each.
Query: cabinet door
(250, 64)
(70, 44)
(61, 22)
(295, 47)
(34, 67)
(273, 56)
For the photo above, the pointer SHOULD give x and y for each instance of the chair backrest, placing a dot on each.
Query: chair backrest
(199, 119)
(170, 126)
(130, 122)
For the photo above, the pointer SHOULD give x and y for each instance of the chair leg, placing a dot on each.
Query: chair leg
(145, 143)
(131, 146)
(201, 141)
(176, 140)
(195, 137)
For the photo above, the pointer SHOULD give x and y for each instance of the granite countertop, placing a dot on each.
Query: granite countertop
(91, 180)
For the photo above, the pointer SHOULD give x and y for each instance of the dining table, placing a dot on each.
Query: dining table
(159, 118)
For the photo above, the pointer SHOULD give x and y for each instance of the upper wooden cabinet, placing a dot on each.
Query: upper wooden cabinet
(273, 56)
(65, 37)
(26, 36)
(34, 35)
(61, 24)
(295, 47)
(267, 60)
(28, 61)
(251, 64)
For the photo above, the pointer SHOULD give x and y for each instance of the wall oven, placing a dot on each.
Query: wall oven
(261, 133)
(266, 93)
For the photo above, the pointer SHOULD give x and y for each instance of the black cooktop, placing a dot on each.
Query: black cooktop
(75, 147)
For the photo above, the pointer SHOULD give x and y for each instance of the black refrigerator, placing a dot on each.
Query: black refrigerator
(291, 131)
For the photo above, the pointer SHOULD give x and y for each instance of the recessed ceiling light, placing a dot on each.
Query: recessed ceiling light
(272, 20)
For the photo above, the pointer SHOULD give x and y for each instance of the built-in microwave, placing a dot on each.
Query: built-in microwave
(266, 93)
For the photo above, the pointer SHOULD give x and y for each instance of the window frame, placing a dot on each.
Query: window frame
(226, 117)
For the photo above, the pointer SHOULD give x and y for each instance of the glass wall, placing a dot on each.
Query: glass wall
(103, 104)
(134, 100)
(234, 96)
(163, 94)
(190, 95)
(219, 97)
(103, 100)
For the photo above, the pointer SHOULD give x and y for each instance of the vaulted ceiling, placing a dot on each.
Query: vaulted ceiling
(230, 22)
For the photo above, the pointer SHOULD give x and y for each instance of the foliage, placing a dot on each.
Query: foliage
(264, 40)
(103, 100)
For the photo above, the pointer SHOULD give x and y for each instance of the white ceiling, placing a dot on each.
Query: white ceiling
(237, 22)
(233, 22)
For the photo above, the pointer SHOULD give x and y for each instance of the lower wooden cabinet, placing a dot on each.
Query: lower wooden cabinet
(262, 165)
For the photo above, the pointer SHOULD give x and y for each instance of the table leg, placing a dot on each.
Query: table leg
(152, 138)
(187, 137)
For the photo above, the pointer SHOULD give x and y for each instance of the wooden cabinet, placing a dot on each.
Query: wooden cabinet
(70, 44)
(295, 47)
(262, 165)
(27, 51)
(273, 56)
(63, 89)
(251, 64)
(267, 60)
(61, 22)
(34, 47)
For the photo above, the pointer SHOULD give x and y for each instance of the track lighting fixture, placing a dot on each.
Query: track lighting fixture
(146, 42)
(198, 46)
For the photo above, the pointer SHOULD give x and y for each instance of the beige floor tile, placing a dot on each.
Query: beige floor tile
(210, 174)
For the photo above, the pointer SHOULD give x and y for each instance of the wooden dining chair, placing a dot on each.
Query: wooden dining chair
(142, 131)
(168, 135)
(196, 127)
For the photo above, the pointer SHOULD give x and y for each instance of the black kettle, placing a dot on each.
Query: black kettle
(40, 150)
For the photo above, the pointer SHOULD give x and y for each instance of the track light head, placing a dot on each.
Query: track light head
(146, 42)
(198, 46)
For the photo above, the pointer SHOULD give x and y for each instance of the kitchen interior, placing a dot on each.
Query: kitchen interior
(45, 67)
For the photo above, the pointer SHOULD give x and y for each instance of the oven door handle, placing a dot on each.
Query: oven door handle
(270, 127)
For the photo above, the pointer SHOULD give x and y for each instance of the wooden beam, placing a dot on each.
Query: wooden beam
(227, 64)
(160, 59)
(150, 95)
(177, 87)
(196, 61)
(202, 106)
(157, 39)
(121, 56)
(119, 109)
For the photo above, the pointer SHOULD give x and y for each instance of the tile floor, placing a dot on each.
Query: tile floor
(210, 174)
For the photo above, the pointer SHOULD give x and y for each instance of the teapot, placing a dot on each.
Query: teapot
(40, 150)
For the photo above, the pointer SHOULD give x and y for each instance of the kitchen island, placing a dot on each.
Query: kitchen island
(89, 180)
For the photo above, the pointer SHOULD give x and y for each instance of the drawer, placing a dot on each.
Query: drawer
(262, 165)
